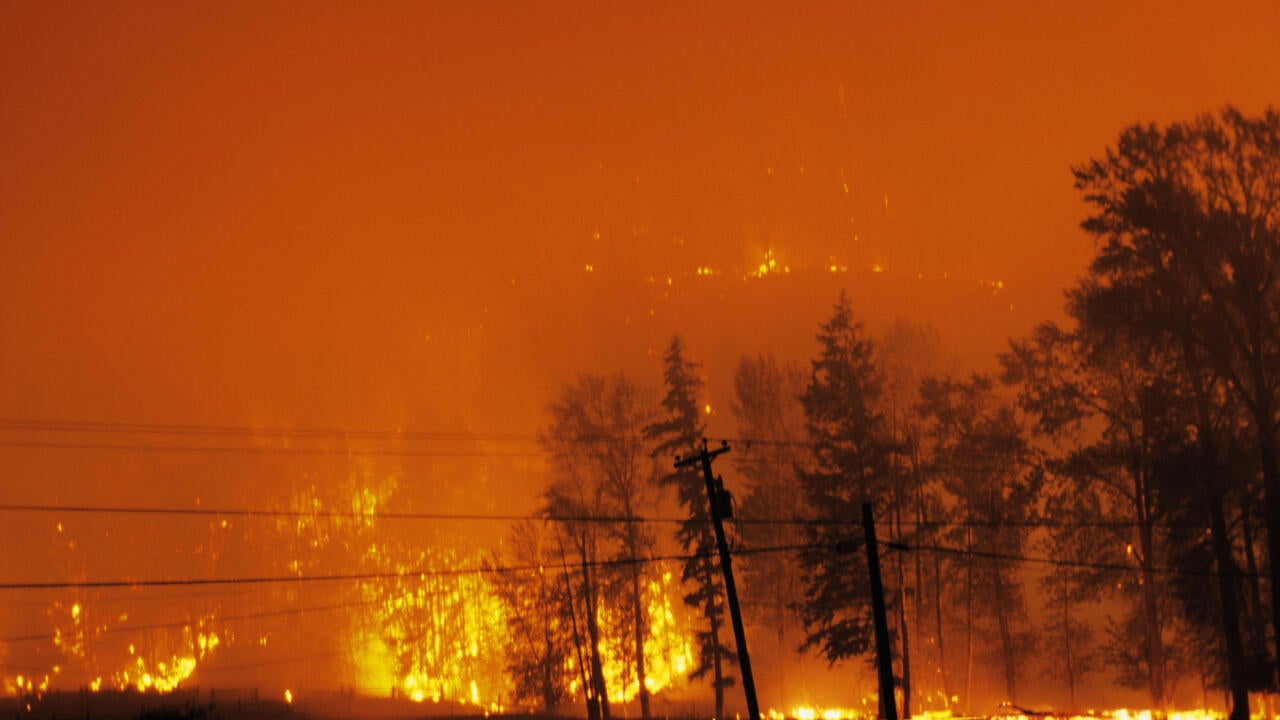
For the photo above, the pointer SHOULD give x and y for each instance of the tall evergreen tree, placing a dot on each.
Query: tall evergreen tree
(850, 465)
(677, 434)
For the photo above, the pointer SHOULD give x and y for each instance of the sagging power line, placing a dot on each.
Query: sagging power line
(339, 577)
(490, 517)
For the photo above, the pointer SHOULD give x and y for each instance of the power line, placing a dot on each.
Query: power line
(990, 555)
(487, 517)
(113, 428)
(383, 515)
(258, 450)
(248, 432)
(617, 562)
(226, 594)
(216, 619)
(345, 515)
(90, 426)
(1034, 524)
(40, 425)
(338, 577)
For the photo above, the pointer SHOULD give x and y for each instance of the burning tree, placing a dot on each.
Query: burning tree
(440, 624)
(102, 640)
(600, 475)
(539, 618)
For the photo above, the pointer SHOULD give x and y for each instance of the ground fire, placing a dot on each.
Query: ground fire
(369, 360)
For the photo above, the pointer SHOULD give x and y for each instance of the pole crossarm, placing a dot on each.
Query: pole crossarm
(717, 498)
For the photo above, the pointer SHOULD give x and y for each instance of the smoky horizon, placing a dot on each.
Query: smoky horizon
(346, 352)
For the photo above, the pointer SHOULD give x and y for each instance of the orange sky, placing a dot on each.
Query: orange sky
(380, 215)
(215, 211)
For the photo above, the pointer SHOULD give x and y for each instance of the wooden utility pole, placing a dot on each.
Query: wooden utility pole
(719, 499)
(588, 688)
(884, 655)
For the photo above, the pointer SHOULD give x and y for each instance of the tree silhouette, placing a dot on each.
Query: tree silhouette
(981, 457)
(538, 619)
(593, 439)
(1188, 218)
(1109, 409)
(771, 420)
(678, 433)
(849, 466)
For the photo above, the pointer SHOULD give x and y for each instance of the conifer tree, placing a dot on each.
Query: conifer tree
(850, 465)
(678, 433)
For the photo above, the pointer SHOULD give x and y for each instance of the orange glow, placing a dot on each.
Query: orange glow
(350, 250)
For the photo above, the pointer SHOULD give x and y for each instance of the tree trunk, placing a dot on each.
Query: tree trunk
(896, 534)
(1066, 641)
(1151, 611)
(1271, 497)
(937, 618)
(902, 625)
(1239, 691)
(549, 700)
(1262, 408)
(916, 557)
(641, 633)
(780, 612)
(1230, 608)
(968, 623)
(1006, 635)
(1257, 614)
(588, 688)
(593, 637)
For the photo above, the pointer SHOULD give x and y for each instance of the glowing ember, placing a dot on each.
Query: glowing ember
(770, 265)
(172, 668)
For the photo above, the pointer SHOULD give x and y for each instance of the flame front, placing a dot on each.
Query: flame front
(436, 635)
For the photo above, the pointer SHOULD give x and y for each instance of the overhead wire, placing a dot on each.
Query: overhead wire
(222, 593)
(1058, 562)
(262, 450)
(189, 622)
(38, 425)
(90, 426)
(339, 514)
(373, 575)
(583, 518)
(103, 427)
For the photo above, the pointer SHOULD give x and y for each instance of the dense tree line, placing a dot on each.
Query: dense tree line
(1127, 456)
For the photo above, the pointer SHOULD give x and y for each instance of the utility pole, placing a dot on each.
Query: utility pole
(719, 500)
(884, 656)
(588, 686)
